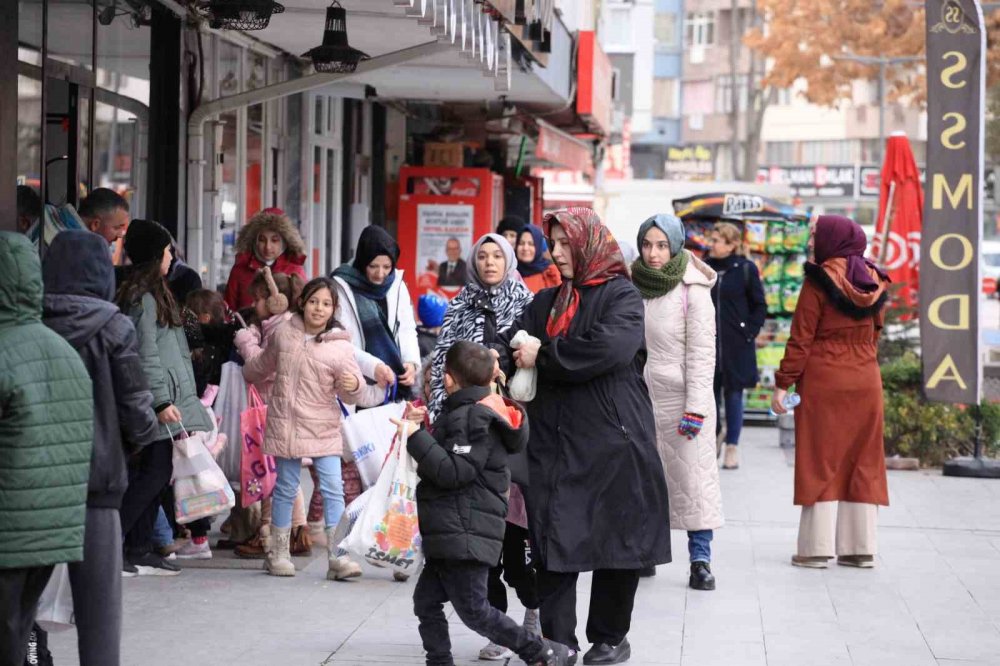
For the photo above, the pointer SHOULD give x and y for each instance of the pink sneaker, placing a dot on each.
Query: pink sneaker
(195, 551)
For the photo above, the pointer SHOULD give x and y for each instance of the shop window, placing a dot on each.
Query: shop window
(71, 35)
(229, 68)
(254, 160)
(256, 72)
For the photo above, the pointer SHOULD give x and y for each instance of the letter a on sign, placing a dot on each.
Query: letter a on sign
(953, 209)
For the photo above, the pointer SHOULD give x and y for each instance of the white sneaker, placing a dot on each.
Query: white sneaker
(494, 652)
(195, 551)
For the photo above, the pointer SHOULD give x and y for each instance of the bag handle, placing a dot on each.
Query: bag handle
(390, 392)
(183, 434)
(253, 397)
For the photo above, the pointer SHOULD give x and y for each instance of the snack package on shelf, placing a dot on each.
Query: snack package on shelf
(774, 269)
(760, 261)
(757, 400)
(796, 236)
(794, 268)
(775, 237)
(755, 236)
(697, 235)
(790, 296)
(773, 292)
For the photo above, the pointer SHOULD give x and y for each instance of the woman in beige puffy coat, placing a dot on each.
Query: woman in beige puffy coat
(680, 341)
(312, 360)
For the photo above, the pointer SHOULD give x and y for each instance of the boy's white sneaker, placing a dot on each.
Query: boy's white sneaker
(494, 652)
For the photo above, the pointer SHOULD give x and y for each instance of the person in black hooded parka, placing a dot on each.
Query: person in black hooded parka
(79, 287)
(597, 497)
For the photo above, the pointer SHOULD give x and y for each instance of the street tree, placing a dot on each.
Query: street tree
(807, 41)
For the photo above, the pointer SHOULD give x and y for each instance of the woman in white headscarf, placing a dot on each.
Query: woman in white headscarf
(492, 300)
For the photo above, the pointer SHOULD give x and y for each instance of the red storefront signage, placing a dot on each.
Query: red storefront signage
(594, 81)
(557, 147)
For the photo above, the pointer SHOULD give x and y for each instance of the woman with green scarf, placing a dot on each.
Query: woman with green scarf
(680, 341)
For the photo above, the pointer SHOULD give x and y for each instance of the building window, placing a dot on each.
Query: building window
(845, 151)
(699, 28)
(779, 153)
(665, 93)
(724, 93)
(698, 97)
(620, 27)
(665, 31)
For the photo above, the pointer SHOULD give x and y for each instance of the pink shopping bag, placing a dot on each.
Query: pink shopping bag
(258, 472)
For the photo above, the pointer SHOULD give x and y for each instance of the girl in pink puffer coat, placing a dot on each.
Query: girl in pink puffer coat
(313, 363)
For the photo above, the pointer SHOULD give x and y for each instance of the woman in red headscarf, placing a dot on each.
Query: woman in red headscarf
(597, 499)
(831, 359)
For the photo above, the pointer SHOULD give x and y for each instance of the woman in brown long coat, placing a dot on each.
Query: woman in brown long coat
(831, 359)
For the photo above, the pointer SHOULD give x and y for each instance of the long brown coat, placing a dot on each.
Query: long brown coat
(831, 358)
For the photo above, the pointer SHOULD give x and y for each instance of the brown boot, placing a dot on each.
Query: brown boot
(254, 549)
(301, 542)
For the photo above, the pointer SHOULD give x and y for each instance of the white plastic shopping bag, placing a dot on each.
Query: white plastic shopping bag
(200, 487)
(522, 386)
(387, 533)
(229, 404)
(368, 435)
(55, 607)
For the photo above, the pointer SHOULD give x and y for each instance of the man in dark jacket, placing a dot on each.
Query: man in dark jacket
(46, 436)
(597, 499)
(79, 286)
(462, 509)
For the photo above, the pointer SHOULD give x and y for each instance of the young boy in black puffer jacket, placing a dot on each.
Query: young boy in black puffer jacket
(462, 508)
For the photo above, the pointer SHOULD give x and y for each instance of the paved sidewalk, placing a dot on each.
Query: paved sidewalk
(934, 597)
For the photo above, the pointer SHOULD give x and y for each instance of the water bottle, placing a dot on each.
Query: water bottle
(790, 402)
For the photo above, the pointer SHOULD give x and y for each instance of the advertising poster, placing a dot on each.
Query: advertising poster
(437, 224)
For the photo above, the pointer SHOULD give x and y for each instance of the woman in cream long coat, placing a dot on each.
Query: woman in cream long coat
(680, 340)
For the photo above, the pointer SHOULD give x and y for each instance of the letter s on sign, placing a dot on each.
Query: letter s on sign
(957, 128)
(961, 63)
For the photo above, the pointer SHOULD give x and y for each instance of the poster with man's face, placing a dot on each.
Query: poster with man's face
(444, 234)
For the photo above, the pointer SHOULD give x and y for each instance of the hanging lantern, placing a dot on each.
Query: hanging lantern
(241, 14)
(335, 55)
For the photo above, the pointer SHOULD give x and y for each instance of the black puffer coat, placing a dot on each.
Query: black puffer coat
(464, 477)
(740, 311)
(597, 498)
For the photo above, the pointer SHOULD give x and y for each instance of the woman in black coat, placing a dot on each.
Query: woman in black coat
(597, 499)
(740, 311)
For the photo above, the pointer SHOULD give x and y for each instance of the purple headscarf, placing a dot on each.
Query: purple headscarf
(836, 236)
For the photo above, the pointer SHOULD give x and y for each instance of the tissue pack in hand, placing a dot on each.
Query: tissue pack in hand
(522, 386)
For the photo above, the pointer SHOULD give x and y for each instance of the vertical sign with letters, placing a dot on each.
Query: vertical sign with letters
(953, 207)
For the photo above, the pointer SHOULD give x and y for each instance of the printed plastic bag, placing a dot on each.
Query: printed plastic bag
(525, 381)
(387, 533)
(200, 488)
(55, 606)
(368, 435)
(230, 404)
(258, 473)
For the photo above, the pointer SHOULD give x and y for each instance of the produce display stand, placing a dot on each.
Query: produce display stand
(776, 236)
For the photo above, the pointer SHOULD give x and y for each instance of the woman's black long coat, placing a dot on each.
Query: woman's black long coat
(740, 311)
(597, 497)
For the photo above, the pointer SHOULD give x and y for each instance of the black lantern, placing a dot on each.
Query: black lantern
(241, 14)
(335, 55)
